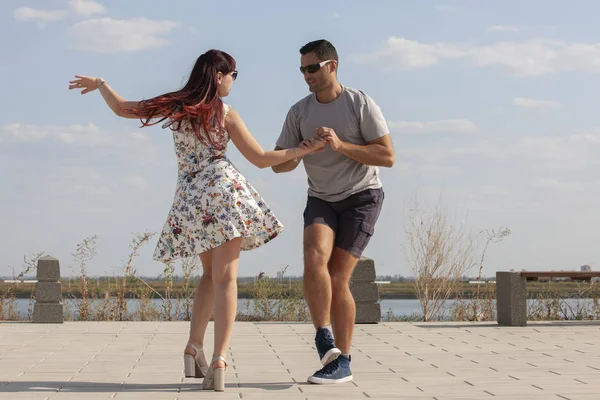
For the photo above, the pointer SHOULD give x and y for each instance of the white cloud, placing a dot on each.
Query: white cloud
(547, 183)
(533, 57)
(107, 35)
(502, 28)
(586, 138)
(89, 190)
(531, 103)
(79, 173)
(555, 152)
(460, 126)
(404, 53)
(136, 182)
(493, 190)
(86, 8)
(31, 14)
(25, 133)
(84, 135)
(565, 153)
(568, 186)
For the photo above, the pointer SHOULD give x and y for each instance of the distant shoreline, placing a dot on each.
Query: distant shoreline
(391, 291)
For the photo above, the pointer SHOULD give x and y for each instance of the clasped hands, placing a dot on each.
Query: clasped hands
(317, 144)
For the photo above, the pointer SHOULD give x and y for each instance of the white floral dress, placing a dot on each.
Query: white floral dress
(213, 203)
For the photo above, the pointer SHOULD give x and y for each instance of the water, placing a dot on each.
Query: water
(398, 307)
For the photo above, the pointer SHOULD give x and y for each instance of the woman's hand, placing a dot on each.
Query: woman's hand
(87, 83)
(311, 145)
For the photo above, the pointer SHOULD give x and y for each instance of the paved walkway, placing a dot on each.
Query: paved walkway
(143, 360)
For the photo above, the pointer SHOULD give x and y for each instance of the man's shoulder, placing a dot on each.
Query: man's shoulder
(301, 104)
(356, 95)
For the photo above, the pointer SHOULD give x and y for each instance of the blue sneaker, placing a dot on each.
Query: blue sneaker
(326, 346)
(337, 371)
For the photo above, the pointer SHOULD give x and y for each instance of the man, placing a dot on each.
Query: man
(344, 201)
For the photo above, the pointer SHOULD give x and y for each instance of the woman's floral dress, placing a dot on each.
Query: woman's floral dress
(213, 203)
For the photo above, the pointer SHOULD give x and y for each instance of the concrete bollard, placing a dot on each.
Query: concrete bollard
(48, 307)
(511, 299)
(365, 292)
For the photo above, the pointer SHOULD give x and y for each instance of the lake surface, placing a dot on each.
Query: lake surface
(397, 307)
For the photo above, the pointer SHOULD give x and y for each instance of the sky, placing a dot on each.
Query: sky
(491, 107)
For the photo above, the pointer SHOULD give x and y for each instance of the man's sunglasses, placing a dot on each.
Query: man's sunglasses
(312, 68)
(234, 75)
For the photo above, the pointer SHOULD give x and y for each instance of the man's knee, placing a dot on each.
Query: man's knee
(316, 257)
(340, 268)
(318, 245)
(339, 281)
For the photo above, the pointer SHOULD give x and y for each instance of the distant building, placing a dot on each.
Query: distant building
(586, 268)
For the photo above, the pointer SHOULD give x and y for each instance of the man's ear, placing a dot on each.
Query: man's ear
(333, 66)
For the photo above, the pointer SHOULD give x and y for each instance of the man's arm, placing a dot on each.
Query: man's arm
(286, 166)
(378, 152)
(289, 137)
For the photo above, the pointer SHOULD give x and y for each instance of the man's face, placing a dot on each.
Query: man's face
(322, 77)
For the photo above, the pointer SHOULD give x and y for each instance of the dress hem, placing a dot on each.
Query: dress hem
(254, 245)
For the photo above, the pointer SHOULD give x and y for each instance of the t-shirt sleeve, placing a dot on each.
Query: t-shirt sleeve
(290, 133)
(372, 123)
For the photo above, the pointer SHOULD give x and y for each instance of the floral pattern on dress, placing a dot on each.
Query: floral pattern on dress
(213, 203)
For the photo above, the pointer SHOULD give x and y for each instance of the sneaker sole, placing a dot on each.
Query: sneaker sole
(331, 355)
(322, 381)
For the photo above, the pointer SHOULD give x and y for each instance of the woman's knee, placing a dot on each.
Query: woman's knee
(225, 277)
(206, 275)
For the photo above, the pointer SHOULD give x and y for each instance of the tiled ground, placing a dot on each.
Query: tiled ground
(143, 360)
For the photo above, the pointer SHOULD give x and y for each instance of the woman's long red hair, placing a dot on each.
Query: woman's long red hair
(198, 102)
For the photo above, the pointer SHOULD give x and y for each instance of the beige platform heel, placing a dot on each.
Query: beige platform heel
(215, 378)
(195, 366)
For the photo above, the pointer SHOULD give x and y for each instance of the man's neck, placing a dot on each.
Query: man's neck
(330, 94)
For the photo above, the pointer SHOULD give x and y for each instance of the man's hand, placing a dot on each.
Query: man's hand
(328, 135)
(312, 145)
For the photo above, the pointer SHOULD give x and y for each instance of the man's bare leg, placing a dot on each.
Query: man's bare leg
(318, 245)
(343, 308)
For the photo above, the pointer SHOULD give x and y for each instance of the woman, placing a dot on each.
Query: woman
(216, 213)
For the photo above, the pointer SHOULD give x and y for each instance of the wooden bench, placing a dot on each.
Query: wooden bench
(511, 292)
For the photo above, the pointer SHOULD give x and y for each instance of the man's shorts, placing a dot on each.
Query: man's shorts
(351, 219)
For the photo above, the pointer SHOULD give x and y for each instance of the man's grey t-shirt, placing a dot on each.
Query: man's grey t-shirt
(355, 118)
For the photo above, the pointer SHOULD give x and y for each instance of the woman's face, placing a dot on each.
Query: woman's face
(225, 83)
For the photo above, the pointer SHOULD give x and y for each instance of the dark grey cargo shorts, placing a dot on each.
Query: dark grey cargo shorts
(352, 219)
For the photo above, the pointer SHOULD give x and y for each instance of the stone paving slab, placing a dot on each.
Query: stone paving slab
(434, 361)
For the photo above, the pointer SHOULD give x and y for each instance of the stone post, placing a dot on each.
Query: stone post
(511, 299)
(365, 292)
(48, 307)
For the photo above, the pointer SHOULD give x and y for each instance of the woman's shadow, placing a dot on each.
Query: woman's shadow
(106, 387)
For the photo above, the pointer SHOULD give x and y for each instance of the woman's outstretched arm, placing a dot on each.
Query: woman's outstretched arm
(117, 104)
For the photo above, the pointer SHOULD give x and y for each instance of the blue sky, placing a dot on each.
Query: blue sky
(491, 104)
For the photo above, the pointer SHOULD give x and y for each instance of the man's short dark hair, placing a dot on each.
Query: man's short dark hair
(322, 48)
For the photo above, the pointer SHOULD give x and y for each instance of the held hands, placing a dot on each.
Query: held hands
(329, 136)
(87, 83)
(310, 146)
(317, 144)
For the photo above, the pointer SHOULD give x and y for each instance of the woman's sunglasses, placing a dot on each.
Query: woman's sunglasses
(312, 68)
(234, 75)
